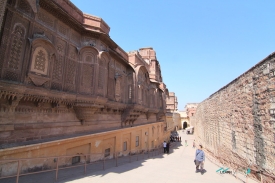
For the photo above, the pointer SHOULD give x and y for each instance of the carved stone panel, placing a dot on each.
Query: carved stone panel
(70, 75)
(63, 29)
(75, 37)
(18, 36)
(88, 67)
(45, 19)
(57, 75)
(40, 60)
(111, 80)
(24, 6)
(102, 76)
(38, 29)
(5, 40)
(118, 90)
(15, 57)
(2, 10)
(88, 72)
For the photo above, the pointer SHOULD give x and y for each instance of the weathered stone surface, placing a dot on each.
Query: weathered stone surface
(236, 124)
(2, 12)
(61, 73)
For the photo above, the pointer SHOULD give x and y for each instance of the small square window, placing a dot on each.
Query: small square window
(124, 146)
(107, 152)
(75, 159)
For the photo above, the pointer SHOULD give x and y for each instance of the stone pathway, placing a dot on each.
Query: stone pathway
(178, 166)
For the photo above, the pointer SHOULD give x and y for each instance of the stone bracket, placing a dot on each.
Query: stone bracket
(160, 116)
(131, 114)
(37, 79)
(86, 111)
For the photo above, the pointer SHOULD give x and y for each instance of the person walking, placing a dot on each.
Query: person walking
(194, 144)
(199, 159)
(186, 143)
(164, 146)
(167, 147)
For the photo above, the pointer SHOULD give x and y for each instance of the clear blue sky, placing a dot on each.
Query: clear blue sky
(201, 45)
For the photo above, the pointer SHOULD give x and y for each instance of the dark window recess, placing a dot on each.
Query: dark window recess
(124, 146)
(137, 141)
(107, 152)
(75, 159)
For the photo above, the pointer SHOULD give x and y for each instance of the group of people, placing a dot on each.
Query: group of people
(175, 139)
(166, 147)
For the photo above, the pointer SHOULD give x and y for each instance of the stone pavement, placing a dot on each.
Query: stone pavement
(178, 166)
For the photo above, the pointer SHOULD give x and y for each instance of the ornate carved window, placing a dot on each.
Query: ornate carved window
(89, 59)
(101, 80)
(40, 61)
(16, 46)
(117, 89)
(111, 80)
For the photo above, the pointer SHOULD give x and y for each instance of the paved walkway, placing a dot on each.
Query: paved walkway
(178, 166)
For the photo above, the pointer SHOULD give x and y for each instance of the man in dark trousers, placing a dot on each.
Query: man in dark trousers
(199, 159)
(167, 147)
(164, 146)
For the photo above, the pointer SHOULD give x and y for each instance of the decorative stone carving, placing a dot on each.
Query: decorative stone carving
(42, 53)
(37, 79)
(131, 113)
(45, 19)
(18, 36)
(86, 111)
(25, 7)
(117, 89)
(2, 10)
(40, 61)
(34, 5)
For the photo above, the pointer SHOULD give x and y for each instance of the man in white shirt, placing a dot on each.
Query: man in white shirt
(164, 146)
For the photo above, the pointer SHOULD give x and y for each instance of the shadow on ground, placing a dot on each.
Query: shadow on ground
(125, 163)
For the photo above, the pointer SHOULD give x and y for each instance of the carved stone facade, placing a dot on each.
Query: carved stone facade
(237, 123)
(61, 75)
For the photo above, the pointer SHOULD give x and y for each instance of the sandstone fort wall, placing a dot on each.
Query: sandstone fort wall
(237, 123)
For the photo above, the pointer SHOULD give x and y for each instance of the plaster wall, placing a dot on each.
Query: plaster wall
(93, 145)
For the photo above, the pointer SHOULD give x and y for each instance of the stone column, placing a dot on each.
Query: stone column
(2, 12)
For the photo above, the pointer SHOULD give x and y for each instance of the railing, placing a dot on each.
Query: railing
(90, 161)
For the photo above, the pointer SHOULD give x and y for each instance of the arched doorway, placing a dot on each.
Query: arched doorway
(184, 124)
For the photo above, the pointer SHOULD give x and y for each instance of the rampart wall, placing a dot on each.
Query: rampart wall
(237, 123)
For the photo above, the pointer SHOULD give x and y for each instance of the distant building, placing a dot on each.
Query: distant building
(187, 113)
(191, 109)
